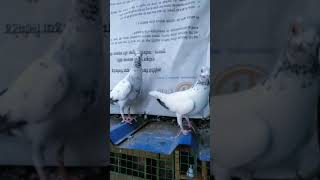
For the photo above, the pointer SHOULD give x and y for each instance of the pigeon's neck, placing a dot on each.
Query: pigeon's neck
(202, 82)
(135, 71)
(288, 68)
(305, 75)
(136, 65)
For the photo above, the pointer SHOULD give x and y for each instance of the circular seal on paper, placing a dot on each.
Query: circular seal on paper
(183, 86)
(237, 78)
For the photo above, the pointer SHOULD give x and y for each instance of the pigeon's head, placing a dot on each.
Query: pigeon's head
(303, 44)
(88, 10)
(204, 77)
(205, 72)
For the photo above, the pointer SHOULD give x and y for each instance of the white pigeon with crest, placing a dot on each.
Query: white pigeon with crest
(58, 90)
(272, 124)
(128, 89)
(187, 102)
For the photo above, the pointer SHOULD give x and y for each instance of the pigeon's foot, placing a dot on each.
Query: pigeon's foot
(128, 120)
(191, 127)
(62, 173)
(184, 132)
(131, 118)
(124, 120)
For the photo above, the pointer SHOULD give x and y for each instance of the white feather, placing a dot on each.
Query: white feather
(121, 90)
(188, 102)
(33, 95)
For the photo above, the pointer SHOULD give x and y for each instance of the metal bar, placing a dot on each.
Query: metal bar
(158, 167)
(145, 167)
(204, 170)
(195, 164)
(177, 164)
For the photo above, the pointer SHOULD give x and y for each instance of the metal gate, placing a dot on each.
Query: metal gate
(135, 165)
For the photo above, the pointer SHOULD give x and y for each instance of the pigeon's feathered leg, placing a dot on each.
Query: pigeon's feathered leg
(122, 115)
(130, 118)
(189, 123)
(38, 157)
(179, 119)
(62, 171)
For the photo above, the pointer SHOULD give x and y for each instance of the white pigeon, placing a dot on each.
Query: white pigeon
(128, 89)
(272, 122)
(187, 102)
(58, 89)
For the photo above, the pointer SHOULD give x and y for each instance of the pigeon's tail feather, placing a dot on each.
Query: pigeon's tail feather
(160, 97)
(3, 91)
(162, 104)
(157, 94)
(7, 127)
(112, 101)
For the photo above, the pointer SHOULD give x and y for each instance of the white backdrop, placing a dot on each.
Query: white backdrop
(175, 34)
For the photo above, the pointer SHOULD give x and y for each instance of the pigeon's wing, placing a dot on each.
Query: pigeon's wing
(35, 93)
(179, 103)
(121, 90)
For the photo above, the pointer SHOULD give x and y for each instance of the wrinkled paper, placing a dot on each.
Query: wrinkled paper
(173, 35)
